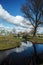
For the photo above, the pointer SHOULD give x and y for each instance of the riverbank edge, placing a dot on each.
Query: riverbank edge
(18, 46)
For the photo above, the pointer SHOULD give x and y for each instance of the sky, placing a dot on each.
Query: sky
(12, 6)
(11, 15)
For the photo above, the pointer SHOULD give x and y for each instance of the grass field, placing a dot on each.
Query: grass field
(7, 42)
(36, 39)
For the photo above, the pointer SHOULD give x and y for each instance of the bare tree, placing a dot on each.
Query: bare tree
(33, 10)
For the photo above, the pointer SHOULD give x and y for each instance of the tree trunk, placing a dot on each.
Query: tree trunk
(35, 52)
(35, 55)
(34, 33)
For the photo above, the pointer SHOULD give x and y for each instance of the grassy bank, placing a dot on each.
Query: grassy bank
(36, 39)
(7, 42)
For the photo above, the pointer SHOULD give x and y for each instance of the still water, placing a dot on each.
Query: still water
(23, 51)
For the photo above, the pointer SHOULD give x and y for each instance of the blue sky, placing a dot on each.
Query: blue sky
(12, 16)
(12, 6)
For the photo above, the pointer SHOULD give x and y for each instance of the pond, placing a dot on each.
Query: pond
(20, 54)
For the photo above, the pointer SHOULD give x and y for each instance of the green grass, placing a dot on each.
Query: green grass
(7, 42)
(36, 39)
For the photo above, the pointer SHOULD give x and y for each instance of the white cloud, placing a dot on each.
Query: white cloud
(40, 29)
(18, 20)
(22, 24)
(6, 28)
(21, 29)
(17, 29)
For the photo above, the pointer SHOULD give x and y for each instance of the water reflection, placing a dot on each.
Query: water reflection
(39, 48)
(25, 51)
